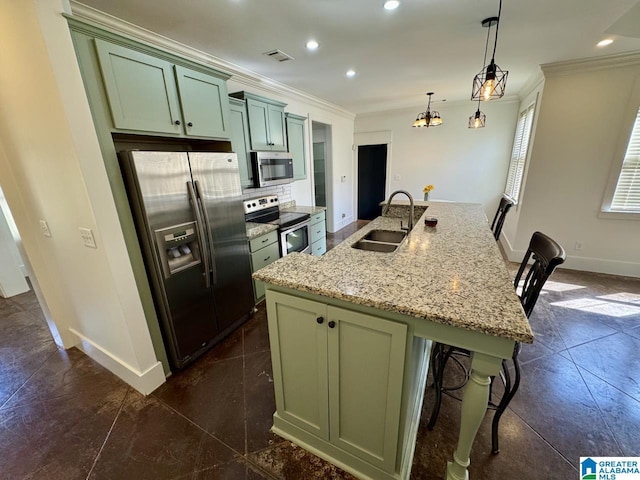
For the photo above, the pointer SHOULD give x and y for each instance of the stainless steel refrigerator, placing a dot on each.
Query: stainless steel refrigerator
(190, 222)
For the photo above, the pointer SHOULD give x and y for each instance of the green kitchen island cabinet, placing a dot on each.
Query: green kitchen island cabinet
(351, 333)
(322, 356)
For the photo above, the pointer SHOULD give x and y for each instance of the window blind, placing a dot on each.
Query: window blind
(519, 153)
(627, 194)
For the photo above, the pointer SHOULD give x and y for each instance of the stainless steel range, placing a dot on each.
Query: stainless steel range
(293, 227)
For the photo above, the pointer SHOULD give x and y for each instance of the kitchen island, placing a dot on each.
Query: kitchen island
(351, 334)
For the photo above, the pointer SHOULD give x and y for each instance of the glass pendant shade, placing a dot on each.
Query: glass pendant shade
(478, 120)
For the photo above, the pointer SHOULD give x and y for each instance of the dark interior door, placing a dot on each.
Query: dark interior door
(372, 177)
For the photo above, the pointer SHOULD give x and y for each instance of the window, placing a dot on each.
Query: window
(626, 197)
(519, 153)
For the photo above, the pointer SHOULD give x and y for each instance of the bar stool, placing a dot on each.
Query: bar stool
(547, 255)
(503, 208)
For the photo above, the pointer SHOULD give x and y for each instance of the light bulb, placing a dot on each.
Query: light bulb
(476, 123)
(487, 89)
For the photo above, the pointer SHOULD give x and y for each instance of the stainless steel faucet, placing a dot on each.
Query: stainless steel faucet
(386, 208)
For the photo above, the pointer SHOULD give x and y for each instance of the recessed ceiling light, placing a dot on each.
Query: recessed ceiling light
(312, 44)
(605, 42)
(351, 73)
(391, 4)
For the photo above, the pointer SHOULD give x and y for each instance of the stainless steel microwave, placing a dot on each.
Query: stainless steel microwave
(271, 168)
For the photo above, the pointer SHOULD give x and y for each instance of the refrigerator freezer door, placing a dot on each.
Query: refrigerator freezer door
(186, 306)
(217, 180)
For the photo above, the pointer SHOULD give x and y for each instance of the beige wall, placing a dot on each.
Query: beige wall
(582, 128)
(51, 169)
(464, 165)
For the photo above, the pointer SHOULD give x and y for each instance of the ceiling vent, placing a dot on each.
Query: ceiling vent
(278, 55)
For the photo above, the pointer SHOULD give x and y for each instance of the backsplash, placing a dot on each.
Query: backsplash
(282, 191)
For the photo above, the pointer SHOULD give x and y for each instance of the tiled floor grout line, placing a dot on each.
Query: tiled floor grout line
(29, 378)
(543, 439)
(106, 438)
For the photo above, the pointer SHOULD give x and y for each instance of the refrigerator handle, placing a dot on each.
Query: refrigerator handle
(209, 236)
(201, 239)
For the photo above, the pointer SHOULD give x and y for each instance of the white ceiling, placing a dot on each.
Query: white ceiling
(424, 45)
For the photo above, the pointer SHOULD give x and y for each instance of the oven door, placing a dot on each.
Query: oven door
(296, 239)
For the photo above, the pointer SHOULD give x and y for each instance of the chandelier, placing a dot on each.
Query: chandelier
(428, 118)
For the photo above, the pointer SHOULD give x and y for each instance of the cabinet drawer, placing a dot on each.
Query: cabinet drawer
(265, 256)
(263, 240)
(318, 232)
(319, 248)
(317, 217)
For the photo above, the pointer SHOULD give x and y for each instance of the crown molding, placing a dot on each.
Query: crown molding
(582, 65)
(533, 83)
(238, 74)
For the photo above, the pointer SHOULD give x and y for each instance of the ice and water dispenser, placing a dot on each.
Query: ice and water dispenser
(178, 247)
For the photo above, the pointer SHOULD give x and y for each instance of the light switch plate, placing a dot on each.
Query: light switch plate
(87, 237)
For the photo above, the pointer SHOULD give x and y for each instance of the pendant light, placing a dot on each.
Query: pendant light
(490, 83)
(478, 119)
(428, 118)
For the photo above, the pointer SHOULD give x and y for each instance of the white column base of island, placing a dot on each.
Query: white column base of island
(351, 335)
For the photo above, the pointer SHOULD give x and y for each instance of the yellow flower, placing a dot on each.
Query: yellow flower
(428, 188)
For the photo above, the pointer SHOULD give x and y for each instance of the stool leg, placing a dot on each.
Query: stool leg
(439, 361)
(509, 393)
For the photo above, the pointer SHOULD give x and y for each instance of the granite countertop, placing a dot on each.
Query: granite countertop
(304, 209)
(452, 274)
(255, 230)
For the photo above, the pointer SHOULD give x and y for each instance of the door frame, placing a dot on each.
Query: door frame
(382, 137)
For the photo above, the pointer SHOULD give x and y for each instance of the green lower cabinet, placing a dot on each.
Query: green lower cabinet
(265, 249)
(318, 234)
(338, 375)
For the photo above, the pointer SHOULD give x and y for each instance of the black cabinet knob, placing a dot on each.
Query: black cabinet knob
(332, 324)
(189, 124)
(320, 320)
(177, 122)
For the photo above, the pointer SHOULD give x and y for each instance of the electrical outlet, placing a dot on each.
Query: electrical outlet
(44, 226)
(578, 246)
(396, 177)
(87, 237)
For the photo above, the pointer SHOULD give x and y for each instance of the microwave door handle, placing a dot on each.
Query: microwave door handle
(209, 236)
(201, 239)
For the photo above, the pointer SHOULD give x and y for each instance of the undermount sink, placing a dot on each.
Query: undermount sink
(388, 236)
(375, 246)
(385, 241)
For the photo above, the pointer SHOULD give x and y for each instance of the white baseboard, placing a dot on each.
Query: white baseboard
(585, 264)
(144, 382)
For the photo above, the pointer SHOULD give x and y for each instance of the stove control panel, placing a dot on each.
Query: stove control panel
(260, 203)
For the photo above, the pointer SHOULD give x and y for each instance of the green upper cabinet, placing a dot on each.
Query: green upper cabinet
(205, 103)
(149, 94)
(295, 140)
(141, 90)
(239, 134)
(266, 122)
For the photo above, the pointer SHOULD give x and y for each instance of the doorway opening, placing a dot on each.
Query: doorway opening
(372, 180)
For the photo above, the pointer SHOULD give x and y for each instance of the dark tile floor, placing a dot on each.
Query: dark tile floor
(62, 416)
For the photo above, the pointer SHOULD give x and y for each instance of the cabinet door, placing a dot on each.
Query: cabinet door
(277, 132)
(258, 124)
(140, 89)
(299, 356)
(295, 139)
(366, 361)
(239, 134)
(205, 103)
